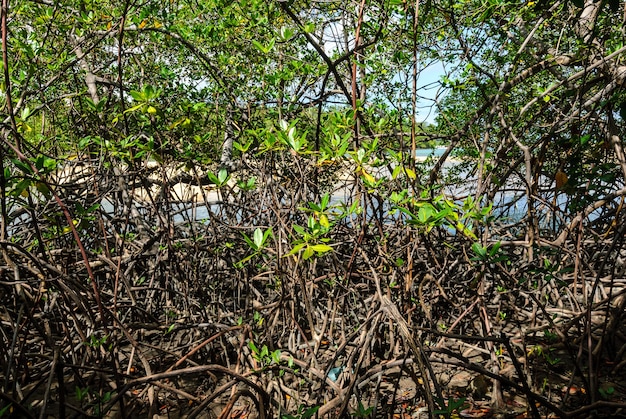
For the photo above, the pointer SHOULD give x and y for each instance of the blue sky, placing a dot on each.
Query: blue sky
(428, 88)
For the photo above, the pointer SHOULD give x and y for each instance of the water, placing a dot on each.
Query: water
(184, 212)
(427, 152)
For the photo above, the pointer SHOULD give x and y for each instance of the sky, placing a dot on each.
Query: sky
(428, 88)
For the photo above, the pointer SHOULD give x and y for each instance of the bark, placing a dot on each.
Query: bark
(226, 161)
(587, 20)
(90, 77)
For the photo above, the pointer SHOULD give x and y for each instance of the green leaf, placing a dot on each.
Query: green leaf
(424, 213)
(297, 248)
(222, 175)
(258, 45)
(138, 96)
(258, 238)
(251, 243)
(264, 48)
(360, 155)
(276, 356)
(325, 200)
(270, 46)
(585, 139)
(463, 229)
(494, 249)
(221, 178)
(299, 230)
(321, 248)
(7, 409)
(314, 207)
(407, 212)
(479, 250)
(310, 412)
(286, 33)
(149, 92)
(396, 171)
(21, 189)
(183, 121)
(44, 163)
(25, 168)
(308, 252)
(212, 178)
(134, 108)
